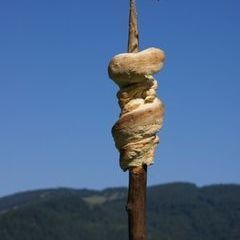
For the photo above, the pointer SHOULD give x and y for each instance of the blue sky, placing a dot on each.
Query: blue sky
(57, 104)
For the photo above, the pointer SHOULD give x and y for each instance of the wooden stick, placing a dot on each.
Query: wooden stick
(136, 205)
(140, 119)
(133, 37)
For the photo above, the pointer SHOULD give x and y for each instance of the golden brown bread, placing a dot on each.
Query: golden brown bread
(141, 111)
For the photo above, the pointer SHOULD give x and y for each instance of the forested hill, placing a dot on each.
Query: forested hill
(178, 211)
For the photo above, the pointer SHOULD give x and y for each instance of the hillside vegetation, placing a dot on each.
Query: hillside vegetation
(177, 211)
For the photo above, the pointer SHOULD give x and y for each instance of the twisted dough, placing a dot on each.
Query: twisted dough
(141, 111)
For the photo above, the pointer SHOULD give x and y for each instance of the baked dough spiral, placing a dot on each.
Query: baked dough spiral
(141, 114)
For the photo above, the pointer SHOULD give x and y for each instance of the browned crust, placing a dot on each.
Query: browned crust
(129, 68)
(127, 128)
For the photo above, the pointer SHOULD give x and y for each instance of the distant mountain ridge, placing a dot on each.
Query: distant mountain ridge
(22, 199)
(176, 211)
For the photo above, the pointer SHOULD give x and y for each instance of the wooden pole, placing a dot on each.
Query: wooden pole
(133, 35)
(136, 205)
(140, 119)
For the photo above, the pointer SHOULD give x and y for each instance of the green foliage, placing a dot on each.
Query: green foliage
(175, 212)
